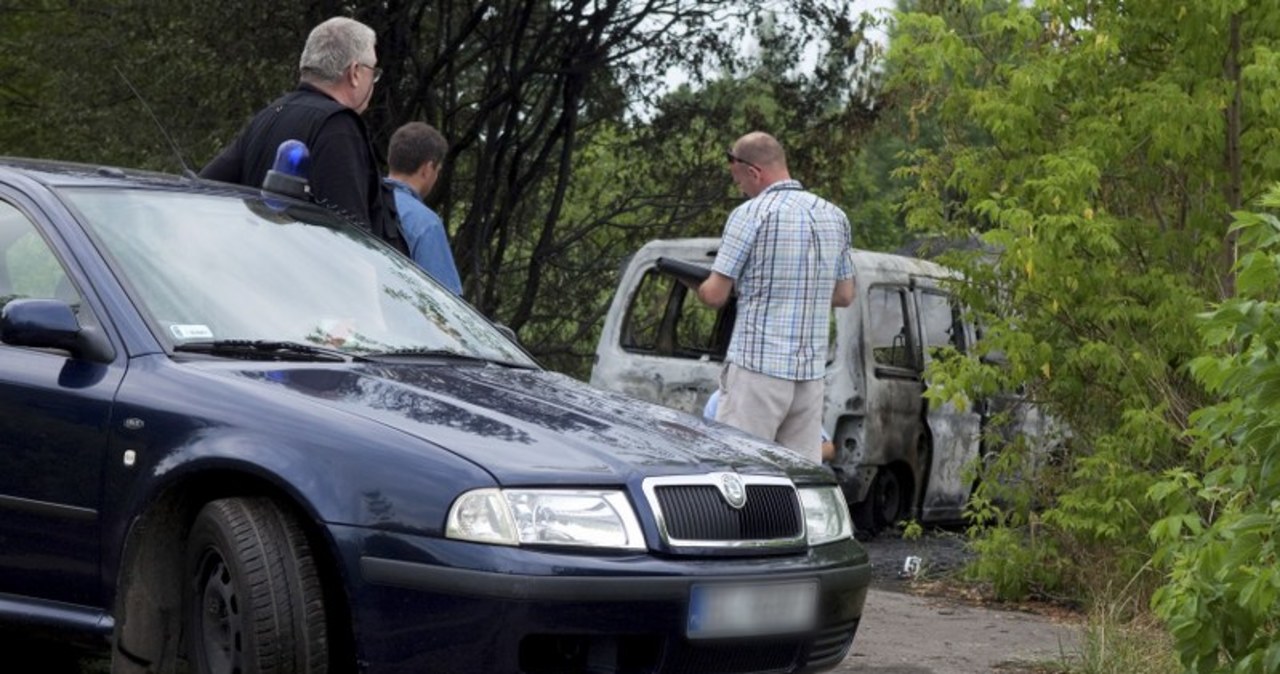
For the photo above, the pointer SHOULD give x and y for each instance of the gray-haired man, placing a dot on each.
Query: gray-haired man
(337, 71)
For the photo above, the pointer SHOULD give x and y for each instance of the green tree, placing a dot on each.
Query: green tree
(1221, 532)
(1097, 148)
(662, 174)
(520, 88)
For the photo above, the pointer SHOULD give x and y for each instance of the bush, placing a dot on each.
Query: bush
(1221, 534)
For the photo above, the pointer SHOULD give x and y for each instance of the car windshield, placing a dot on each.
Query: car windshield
(208, 267)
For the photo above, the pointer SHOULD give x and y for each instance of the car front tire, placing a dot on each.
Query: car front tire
(254, 604)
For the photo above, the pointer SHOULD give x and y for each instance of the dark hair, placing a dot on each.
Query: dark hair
(415, 144)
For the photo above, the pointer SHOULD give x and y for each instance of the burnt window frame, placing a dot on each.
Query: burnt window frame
(674, 298)
(911, 341)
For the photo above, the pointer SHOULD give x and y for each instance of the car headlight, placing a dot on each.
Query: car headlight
(570, 517)
(826, 516)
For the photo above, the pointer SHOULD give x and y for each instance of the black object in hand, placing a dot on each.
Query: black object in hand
(684, 271)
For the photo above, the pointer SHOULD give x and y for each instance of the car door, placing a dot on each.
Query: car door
(54, 415)
(894, 387)
(668, 347)
(954, 426)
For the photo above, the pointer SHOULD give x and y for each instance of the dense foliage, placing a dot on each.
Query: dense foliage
(1099, 148)
(1221, 532)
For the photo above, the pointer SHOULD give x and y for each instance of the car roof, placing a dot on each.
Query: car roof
(890, 263)
(866, 261)
(56, 174)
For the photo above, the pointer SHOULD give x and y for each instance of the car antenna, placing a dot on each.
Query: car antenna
(186, 170)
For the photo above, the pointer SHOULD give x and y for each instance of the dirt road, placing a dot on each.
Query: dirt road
(905, 634)
(902, 633)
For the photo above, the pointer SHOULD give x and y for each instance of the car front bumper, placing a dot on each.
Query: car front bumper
(430, 605)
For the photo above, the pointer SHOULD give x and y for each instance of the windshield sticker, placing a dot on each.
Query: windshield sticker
(191, 331)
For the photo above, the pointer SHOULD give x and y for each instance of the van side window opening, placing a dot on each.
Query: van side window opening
(960, 335)
(887, 328)
(643, 322)
(695, 328)
(666, 318)
(940, 324)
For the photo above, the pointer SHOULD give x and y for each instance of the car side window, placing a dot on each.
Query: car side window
(888, 335)
(28, 268)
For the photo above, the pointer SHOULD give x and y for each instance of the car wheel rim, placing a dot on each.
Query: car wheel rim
(219, 618)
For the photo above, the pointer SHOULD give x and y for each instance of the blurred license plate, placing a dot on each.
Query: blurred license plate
(717, 611)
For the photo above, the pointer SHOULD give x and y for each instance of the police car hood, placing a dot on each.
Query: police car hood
(534, 427)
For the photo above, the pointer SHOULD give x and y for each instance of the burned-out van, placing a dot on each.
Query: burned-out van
(897, 456)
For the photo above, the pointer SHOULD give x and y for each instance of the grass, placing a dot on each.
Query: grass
(1116, 642)
(1118, 633)
(1109, 645)
(1113, 641)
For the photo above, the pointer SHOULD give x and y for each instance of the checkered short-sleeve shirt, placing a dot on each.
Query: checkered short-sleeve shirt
(784, 249)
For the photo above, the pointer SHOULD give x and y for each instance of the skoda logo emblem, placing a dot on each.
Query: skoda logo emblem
(735, 494)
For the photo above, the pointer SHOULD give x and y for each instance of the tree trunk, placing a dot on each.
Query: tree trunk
(1233, 189)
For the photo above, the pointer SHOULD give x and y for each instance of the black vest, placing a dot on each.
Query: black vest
(300, 114)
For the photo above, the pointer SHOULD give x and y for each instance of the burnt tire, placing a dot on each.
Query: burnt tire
(884, 507)
(254, 604)
(887, 499)
(864, 523)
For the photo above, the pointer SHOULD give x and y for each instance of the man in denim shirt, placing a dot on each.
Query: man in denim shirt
(789, 256)
(415, 157)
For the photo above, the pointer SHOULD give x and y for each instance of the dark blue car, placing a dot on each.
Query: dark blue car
(238, 435)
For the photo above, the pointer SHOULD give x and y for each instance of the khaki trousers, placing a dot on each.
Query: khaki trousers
(784, 411)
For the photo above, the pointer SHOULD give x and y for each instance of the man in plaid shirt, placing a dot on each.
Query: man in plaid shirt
(789, 255)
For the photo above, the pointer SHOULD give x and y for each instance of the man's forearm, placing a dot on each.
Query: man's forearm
(843, 294)
(715, 290)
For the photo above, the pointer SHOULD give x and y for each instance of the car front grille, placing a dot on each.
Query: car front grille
(694, 511)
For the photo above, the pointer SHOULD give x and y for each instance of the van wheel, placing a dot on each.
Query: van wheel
(255, 602)
(883, 507)
(864, 521)
(887, 499)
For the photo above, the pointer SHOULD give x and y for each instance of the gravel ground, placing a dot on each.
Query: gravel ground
(909, 634)
(932, 624)
(942, 554)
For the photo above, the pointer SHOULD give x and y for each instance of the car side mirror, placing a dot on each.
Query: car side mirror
(51, 324)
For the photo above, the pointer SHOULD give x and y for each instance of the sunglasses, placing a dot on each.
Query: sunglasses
(735, 159)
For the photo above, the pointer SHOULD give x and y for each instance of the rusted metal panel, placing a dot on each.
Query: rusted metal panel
(679, 383)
